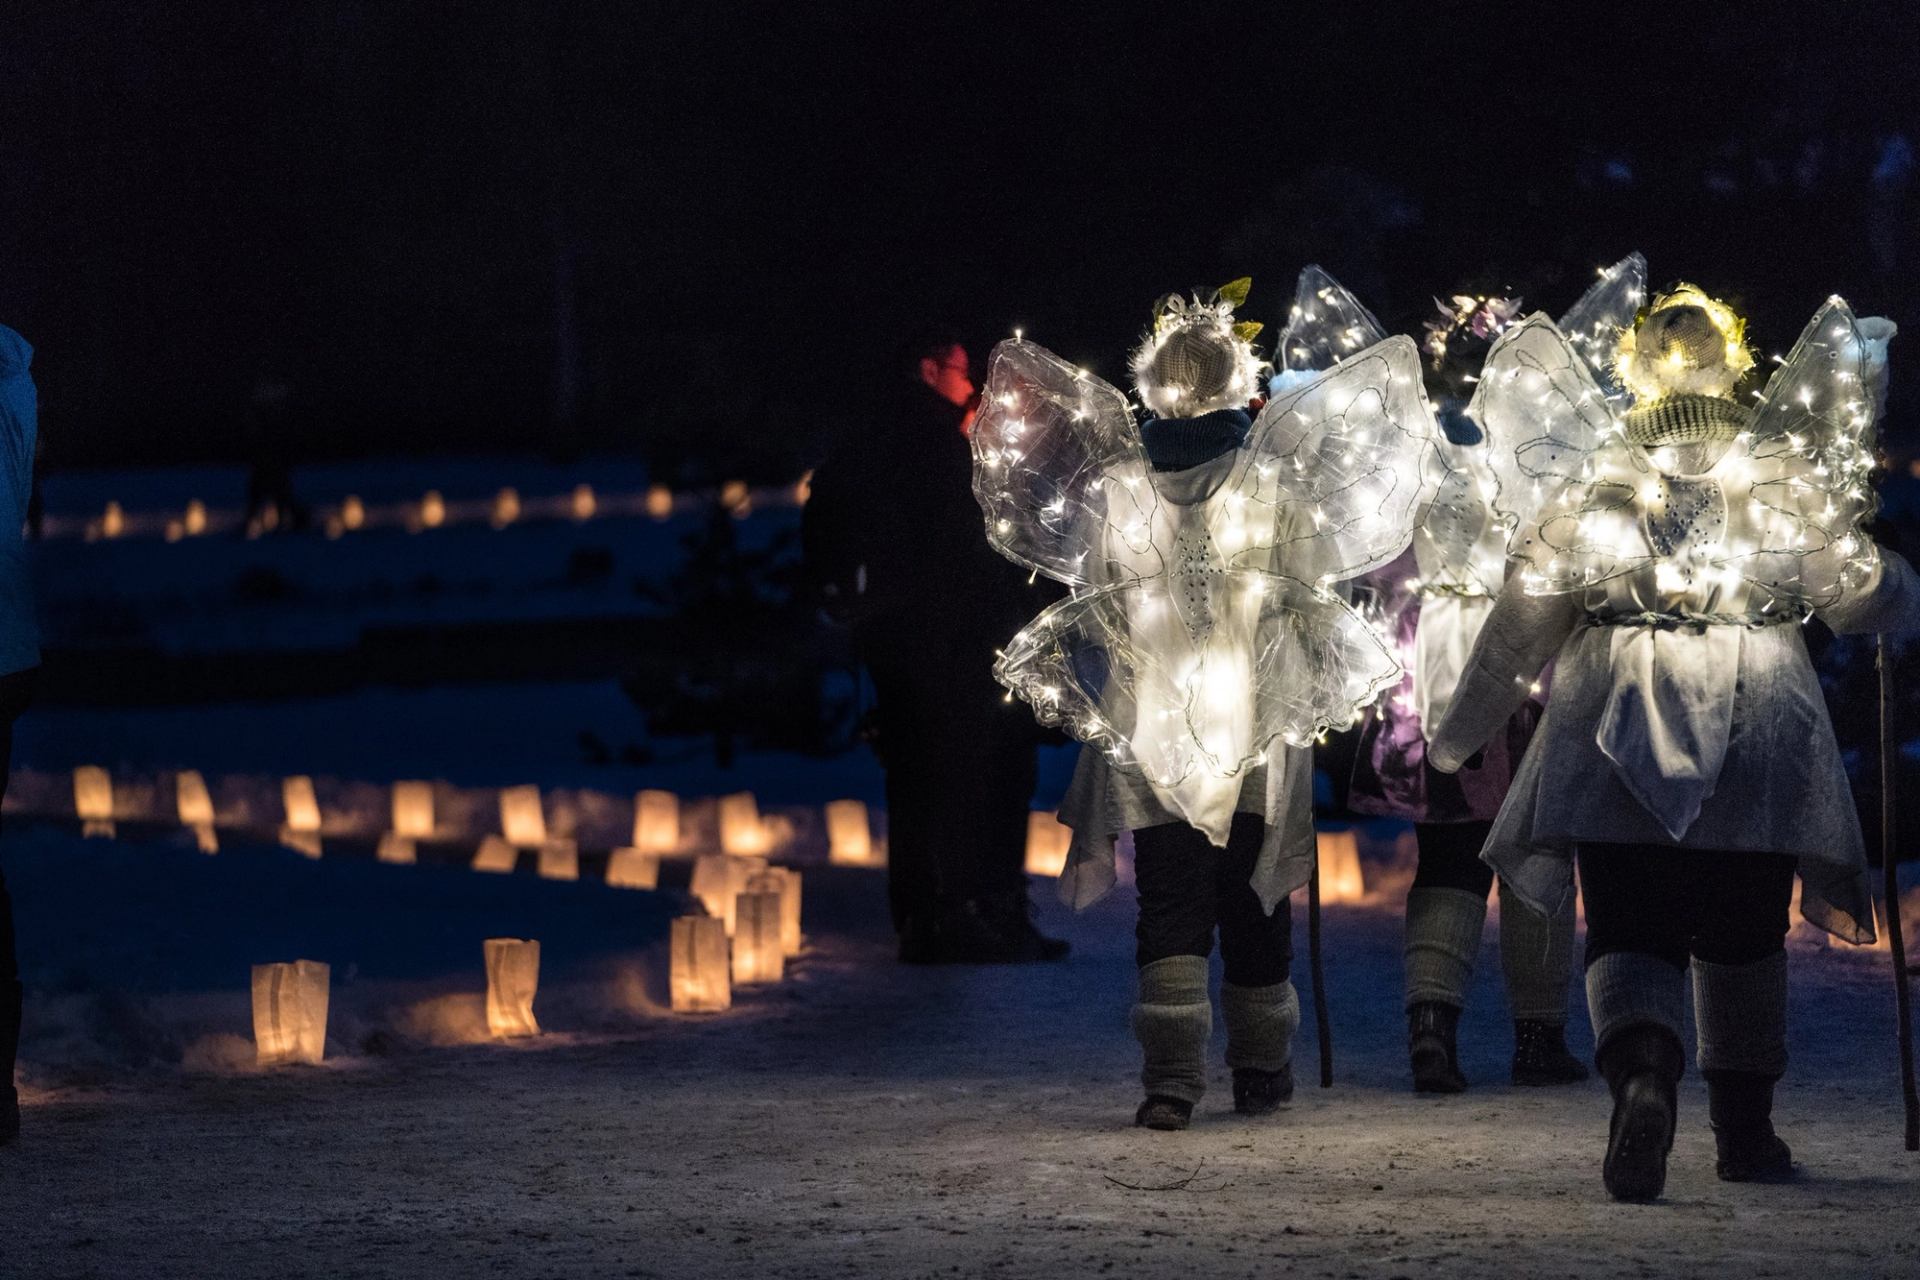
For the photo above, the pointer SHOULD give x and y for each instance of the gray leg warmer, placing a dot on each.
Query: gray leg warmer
(1172, 1021)
(1443, 940)
(1627, 989)
(1536, 954)
(1260, 1024)
(1740, 1011)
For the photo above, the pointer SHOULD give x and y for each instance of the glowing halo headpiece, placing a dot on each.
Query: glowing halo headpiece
(1686, 342)
(1198, 358)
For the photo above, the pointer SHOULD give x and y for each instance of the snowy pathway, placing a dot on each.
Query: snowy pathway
(865, 1119)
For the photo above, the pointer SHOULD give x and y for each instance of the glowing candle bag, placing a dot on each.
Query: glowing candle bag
(1047, 843)
(290, 1012)
(1340, 878)
(741, 830)
(495, 856)
(849, 836)
(786, 882)
(513, 977)
(396, 850)
(700, 971)
(718, 879)
(758, 955)
(522, 821)
(656, 822)
(93, 800)
(633, 869)
(413, 809)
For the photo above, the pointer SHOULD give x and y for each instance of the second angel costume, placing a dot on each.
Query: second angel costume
(1203, 646)
(1685, 756)
(1432, 602)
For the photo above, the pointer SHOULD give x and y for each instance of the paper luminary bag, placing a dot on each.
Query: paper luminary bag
(633, 869)
(849, 834)
(1047, 844)
(656, 822)
(290, 1012)
(496, 856)
(700, 969)
(741, 830)
(513, 977)
(718, 878)
(522, 821)
(301, 830)
(1340, 878)
(784, 881)
(195, 807)
(93, 800)
(560, 860)
(397, 850)
(413, 810)
(506, 507)
(758, 953)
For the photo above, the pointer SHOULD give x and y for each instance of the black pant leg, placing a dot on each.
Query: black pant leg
(1450, 856)
(16, 691)
(1256, 948)
(913, 768)
(1647, 899)
(1747, 909)
(1173, 871)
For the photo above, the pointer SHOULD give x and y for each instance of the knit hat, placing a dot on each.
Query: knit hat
(1198, 358)
(1686, 343)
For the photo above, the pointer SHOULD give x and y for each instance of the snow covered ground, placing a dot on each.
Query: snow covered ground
(861, 1118)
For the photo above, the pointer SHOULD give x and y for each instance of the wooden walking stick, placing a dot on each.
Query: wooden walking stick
(1890, 870)
(1321, 1023)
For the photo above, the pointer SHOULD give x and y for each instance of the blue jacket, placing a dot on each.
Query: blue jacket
(19, 425)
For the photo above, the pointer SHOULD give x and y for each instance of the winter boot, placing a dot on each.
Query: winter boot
(1432, 1047)
(1260, 1026)
(1540, 1054)
(1642, 1064)
(1011, 915)
(1172, 1020)
(1638, 1005)
(1442, 942)
(1741, 1014)
(1536, 957)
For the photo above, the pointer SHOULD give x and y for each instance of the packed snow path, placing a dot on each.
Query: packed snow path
(869, 1119)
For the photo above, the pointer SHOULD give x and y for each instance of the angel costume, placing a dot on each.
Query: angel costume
(1202, 647)
(1432, 602)
(1685, 755)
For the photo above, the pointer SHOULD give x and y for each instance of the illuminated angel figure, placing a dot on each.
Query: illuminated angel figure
(1430, 605)
(1685, 754)
(1203, 645)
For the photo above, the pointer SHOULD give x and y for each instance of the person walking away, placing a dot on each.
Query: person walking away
(895, 544)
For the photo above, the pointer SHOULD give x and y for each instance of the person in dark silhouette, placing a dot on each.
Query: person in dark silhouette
(895, 544)
(19, 660)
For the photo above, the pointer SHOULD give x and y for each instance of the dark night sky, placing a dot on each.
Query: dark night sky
(713, 221)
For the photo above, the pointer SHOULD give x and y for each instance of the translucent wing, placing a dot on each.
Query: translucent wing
(1589, 529)
(1337, 469)
(1045, 442)
(1541, 412)
(1461, 542)
(1325, 325)
(1811, 450)
(1594, 324)
(1111, 667)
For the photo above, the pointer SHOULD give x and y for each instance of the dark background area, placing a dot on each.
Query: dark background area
(699, 230)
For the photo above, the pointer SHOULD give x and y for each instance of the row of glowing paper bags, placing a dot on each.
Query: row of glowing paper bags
(432, 511)
(656, 828)
(752, 928)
